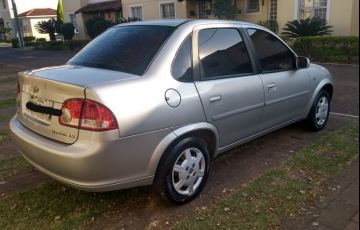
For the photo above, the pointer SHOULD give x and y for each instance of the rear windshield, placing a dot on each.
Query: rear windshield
(128, 49)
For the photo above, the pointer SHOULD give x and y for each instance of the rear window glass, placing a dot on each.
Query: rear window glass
(128, 49)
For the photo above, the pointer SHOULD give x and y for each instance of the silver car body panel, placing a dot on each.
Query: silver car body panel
(129, 156)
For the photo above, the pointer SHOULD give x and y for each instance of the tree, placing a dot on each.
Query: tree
(47, 27)
(68, 31)
(4, 31)
(307, 27)
(96, 26)
(224, 9)
(60, 12)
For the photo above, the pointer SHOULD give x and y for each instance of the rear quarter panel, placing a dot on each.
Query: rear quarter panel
(139, 103)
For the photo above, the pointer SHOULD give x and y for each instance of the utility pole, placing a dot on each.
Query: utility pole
(17, 22)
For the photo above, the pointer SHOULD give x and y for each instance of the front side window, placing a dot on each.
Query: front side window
(136, 12)
(182, 66)
(253, 6)
(272, 53)
(223, 52)
(167, 10)
(128, 49)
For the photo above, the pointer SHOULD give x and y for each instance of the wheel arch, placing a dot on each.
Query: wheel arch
(205, 131)
(326, 84)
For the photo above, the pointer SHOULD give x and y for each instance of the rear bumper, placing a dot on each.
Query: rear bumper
(96, 162)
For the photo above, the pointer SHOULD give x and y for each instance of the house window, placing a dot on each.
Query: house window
(253, 6)
(136, 12)
(73, 20)
(4, 4)
(167, 10)
(273, 10)
(313, 8)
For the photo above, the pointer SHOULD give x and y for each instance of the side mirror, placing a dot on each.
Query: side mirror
(303, 62)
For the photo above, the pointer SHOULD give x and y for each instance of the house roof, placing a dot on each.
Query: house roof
(38, 12)
(100, 7)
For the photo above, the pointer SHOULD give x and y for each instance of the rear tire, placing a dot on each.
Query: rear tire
(183, 171)
(319, 113)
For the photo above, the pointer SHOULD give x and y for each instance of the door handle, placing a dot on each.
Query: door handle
(271, 86)
(215, 99)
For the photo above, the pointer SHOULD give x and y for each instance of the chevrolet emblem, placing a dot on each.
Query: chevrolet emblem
(35, 89)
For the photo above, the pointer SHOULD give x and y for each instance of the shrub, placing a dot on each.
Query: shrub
(307, 27)
(224, 9)
(344, 49)
(271, 25)
(97, 25)
(15, 43)
(40, 40)
(129, 19)
(73, 45)
(68, 30)
(29, 38)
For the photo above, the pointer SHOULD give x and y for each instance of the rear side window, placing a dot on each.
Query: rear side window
(128, 49)
(222, 52)
(272, 53)
(182, 66)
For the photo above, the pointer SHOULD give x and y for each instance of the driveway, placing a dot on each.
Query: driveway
(229, 171)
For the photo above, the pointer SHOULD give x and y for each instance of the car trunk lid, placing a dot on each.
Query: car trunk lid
(43, 93)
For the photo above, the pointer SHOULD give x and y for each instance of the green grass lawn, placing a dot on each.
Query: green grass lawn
(281, 192)
(260, 204)
(7, 103)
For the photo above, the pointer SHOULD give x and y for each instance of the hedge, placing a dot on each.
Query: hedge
(340, 49)
(74, 45)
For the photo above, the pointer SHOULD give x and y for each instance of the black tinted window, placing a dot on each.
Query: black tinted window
(272, 53)
(182, 66)
(223, 52)
(127, 49)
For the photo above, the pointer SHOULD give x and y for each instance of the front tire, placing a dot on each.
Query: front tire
(183, 171)
(319, 113)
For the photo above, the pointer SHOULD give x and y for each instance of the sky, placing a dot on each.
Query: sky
(25, 5)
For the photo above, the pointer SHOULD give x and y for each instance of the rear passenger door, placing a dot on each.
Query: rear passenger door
(287, 89)
(230, 89)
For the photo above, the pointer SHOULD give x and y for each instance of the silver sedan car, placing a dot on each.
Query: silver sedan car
(155, 102)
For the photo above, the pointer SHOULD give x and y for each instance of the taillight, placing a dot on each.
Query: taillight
(18, 95)
(88, 115)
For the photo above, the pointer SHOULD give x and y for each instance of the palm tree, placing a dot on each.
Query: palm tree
(4, 31)
(307, 27)
(47, 27)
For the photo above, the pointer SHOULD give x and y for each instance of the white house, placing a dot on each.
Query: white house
(32, 17)
(7, 15)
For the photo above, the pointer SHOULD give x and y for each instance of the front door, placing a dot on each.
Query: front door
(287, 90)
(231, 93)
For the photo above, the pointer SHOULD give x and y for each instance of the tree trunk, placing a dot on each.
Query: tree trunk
(52, 37)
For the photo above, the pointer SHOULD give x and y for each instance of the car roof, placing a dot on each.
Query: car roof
(179, 22)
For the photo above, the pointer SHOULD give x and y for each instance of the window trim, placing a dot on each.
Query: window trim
(136, 5)
(192, 57)
(253, 12)
(155, 56)
(167, 2)
(256, 57)
(200, 76)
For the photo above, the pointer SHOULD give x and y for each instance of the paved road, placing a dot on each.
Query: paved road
(31, 59)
